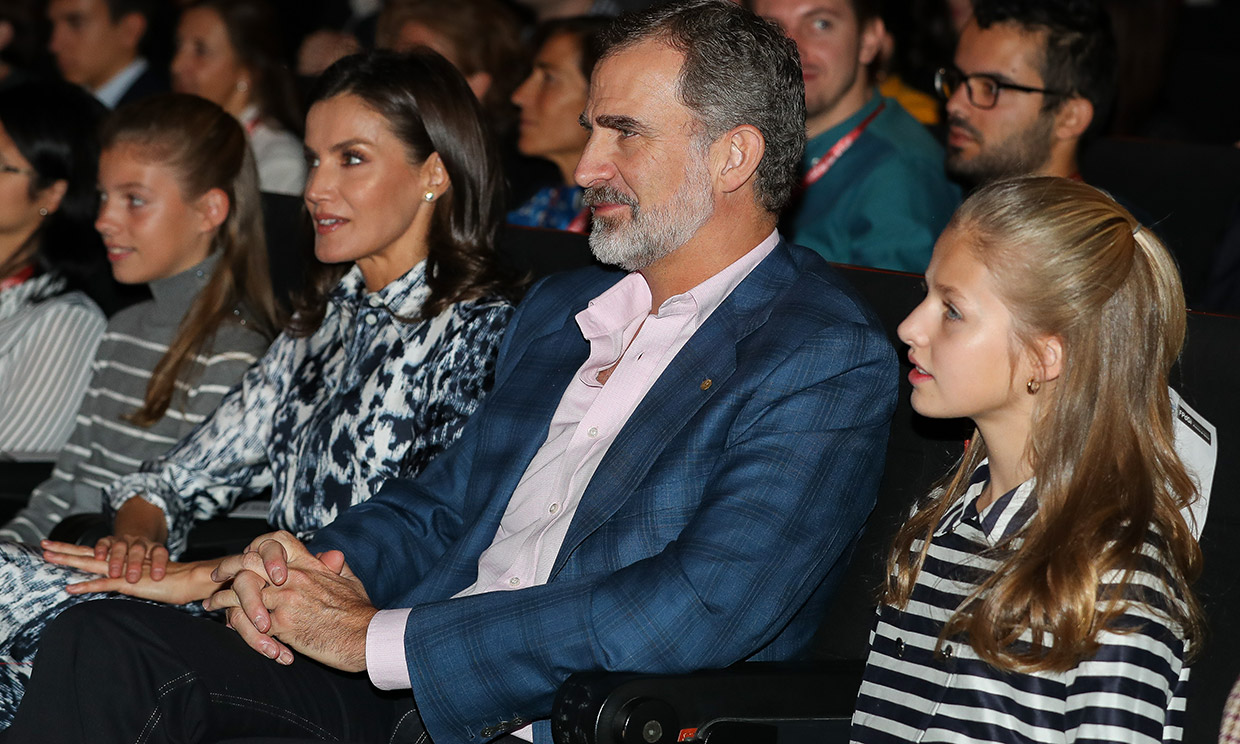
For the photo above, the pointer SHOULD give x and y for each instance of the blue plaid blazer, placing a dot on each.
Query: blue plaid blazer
(714, 530)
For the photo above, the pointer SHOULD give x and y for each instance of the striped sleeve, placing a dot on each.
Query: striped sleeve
(47, 376)
(1124, 693)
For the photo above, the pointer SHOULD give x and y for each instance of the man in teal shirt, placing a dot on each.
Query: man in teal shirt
(874, 192)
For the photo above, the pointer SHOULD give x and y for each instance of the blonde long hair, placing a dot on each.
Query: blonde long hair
(207, 149)
(1072, 263)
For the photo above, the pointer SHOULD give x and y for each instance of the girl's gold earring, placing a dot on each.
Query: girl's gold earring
(1033, 386)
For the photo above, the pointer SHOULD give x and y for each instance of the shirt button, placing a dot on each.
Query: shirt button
(375, 301)
(946, 653)
(593, 432)
(370, 319)
(554, 508)
(514, 581)
(900, 648)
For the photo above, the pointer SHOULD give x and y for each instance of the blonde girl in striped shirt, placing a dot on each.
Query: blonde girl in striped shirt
(1043, 593)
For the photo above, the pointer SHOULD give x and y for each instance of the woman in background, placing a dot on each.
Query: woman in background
(228, 51)
(51, 263)
(551, 99)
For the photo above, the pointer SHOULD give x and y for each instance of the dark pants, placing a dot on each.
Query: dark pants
(119, 671)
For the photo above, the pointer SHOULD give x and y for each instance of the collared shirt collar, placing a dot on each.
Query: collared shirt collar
(818, 146)
(629, 299)
(403, 296)
(1001, 520)
(109, 94)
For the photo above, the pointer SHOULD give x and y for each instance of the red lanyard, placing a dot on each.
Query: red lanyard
(16, 278)
(838, 149)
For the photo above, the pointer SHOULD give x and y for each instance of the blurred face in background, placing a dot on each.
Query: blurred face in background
(551, 99)
(206, 64)
(90, 48)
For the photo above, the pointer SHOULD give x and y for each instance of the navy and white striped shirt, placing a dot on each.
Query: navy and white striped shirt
(1131, 690)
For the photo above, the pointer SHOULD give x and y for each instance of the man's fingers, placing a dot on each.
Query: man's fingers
(239, 621)
(248, 587)
(234, 565)
(275, 560)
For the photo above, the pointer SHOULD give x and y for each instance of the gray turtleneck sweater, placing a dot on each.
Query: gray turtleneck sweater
(104, 444)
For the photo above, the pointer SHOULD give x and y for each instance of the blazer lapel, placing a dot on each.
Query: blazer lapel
(698, 372)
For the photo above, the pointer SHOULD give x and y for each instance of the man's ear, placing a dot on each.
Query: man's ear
(745, 147)
(872, 37)
(213, 208)
(1073, 117)
(132, 27)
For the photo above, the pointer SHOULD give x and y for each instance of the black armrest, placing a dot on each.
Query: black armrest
(750, 703)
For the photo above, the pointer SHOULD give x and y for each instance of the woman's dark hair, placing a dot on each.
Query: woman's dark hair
(587, 30)
(254, 33)
(55, 126)
(430, 109)
(207, 149)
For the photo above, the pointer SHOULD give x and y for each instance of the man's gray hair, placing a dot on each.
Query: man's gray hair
(738, 69)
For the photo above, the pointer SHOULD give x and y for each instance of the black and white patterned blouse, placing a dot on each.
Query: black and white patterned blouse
(325, 420)
(1131, 690)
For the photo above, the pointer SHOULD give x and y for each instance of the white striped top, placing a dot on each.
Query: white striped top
(47, 342)
(104, 444)
(1132, 690)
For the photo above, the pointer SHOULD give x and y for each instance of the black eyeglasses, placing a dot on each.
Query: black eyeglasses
(982, 90)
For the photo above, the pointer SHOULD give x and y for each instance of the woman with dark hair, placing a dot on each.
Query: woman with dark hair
(551, 99)
(228, 51)
(50, 261)
(374, 376)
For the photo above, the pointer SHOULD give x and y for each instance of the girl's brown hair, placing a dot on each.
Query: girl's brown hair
(207, 149)
(1071, 263)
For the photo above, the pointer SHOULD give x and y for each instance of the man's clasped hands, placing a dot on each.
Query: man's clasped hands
(277, 595)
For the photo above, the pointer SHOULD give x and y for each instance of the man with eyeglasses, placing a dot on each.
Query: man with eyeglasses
(872, 188)
(1031, 80)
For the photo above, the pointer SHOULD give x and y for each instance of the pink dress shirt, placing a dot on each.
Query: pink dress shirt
(589, 417)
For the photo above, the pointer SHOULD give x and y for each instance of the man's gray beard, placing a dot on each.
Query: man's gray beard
(653, 233)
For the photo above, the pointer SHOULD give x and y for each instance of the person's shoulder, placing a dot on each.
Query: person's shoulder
(794, 295)
(71, 307)
(485, 309)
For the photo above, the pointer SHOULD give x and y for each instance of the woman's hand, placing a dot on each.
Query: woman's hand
(140, 533)
(178, 584)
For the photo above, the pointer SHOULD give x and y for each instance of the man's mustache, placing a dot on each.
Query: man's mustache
(956, 121)
(596, 195)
